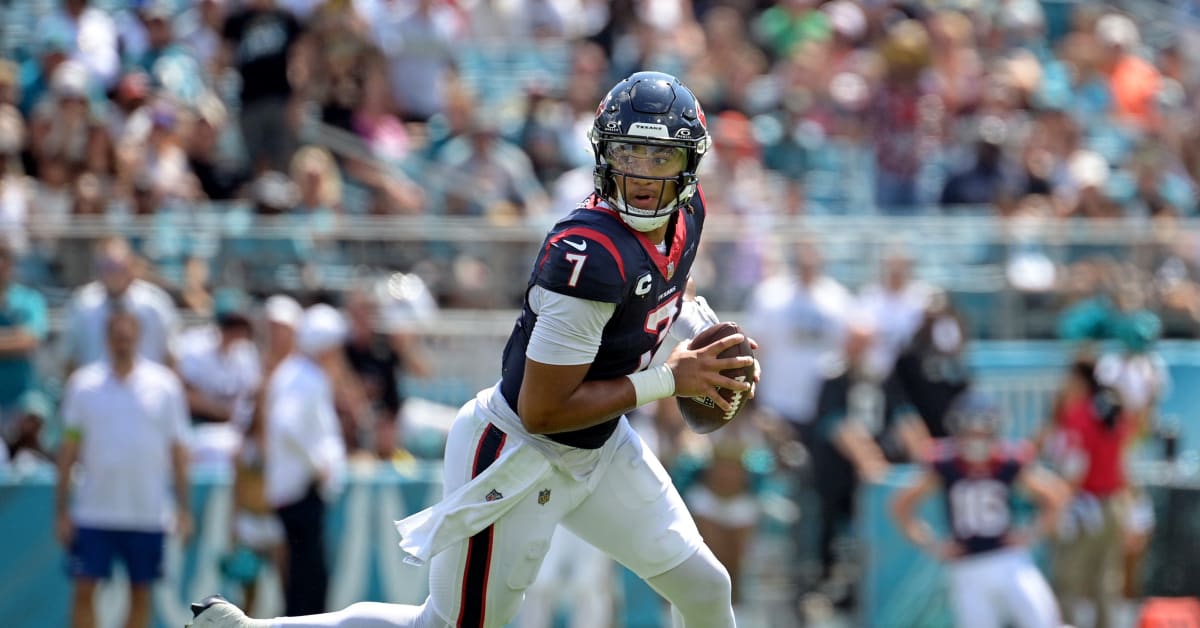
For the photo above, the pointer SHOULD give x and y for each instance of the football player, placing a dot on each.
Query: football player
(549, 444)
(992, 575)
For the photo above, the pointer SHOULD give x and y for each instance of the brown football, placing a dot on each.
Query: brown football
(700, 413)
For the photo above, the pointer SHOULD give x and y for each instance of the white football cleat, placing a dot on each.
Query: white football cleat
(215, 611)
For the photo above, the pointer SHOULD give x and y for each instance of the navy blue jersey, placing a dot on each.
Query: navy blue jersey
(979, 497)
(592, 254)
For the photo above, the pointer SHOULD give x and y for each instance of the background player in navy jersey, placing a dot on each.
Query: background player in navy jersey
(993, 579)
(549, 444)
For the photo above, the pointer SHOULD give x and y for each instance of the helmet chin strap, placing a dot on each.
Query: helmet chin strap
(639, 222)
(634, 216)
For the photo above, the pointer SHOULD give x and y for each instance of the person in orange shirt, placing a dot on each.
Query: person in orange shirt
(1134, 82)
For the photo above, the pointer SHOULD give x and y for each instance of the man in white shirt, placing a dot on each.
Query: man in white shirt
(93, 36)
(116, 288)
(282, 315)
(799, 320)
(894, 309)
(305, 453)
(127, 428)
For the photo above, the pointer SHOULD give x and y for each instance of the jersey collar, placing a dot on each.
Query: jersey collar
(666, 264)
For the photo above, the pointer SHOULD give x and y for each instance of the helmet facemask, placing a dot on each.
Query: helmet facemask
(645, 182)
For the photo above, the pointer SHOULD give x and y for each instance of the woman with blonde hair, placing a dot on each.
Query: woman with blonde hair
(316, 175)
(319, 189)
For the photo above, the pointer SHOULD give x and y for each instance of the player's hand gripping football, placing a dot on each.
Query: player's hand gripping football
(698, 372)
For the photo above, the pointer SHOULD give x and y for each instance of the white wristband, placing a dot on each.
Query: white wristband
(653, 384)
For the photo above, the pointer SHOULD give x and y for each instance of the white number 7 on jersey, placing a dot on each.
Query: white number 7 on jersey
(577, 260)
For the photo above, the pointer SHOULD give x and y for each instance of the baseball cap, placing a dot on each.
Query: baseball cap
(229, 308)
(35, 403)
(284, 310)
(70, 80)
(323, 328)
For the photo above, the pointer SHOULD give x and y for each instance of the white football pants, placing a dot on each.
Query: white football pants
(989, 590)
(634, 514)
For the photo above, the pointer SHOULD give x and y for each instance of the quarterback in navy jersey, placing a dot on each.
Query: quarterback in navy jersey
(603, 329)
(593, 255)
(993, 579)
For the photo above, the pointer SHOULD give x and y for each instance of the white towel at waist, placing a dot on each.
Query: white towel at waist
(466, 511)
(525, 462)
(585, 465)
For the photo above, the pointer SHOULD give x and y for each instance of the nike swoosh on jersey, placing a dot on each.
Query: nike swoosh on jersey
(578, 246)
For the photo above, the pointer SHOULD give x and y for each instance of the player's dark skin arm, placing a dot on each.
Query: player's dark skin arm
(555, 398)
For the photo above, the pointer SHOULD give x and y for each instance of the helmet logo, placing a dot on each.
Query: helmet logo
(645, 129)
(612, 125)
(683, 133)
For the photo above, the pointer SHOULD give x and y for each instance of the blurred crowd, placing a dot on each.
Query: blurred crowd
(245, 134)
(296, 117)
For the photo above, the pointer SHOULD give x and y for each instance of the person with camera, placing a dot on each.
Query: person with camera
(1089, 436)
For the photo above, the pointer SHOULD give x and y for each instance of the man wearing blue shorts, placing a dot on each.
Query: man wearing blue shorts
(126, 426)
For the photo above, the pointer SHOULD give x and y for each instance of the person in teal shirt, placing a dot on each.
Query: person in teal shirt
(23, 326)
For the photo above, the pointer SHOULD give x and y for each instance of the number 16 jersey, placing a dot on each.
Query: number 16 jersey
(979, 496)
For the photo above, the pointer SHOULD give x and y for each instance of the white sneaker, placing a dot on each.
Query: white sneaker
(216, 612)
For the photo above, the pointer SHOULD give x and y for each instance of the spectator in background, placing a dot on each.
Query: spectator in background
(117, 288)
(893, 308)
(221, 373)
(1137, 371)
(931, 373)
(126, 104)
(799, 318)
(219, 179)
(1139, 375)
(92, 37)
(16, 190)
(726, 510)
(788, 24)
(257, 533)
(1089, 436)
(127, 428)
(503, 184)
(906, 117)
(10, 83)
(157, 152)
(1134, 82)
(64, 136)
(991, 178)
(265, 45)
(852, 428)
(305, 453)
(1081, 192)
(202, 34)
(23, 327)
(50, 49)
(377, 362)
(282, 315)
(318, 205)
(385, 142)
(24, 443)
(418, 38)
(372, 118)
(158, 18)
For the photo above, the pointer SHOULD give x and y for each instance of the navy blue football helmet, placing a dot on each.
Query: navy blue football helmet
(973, 411)
(649, 117)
